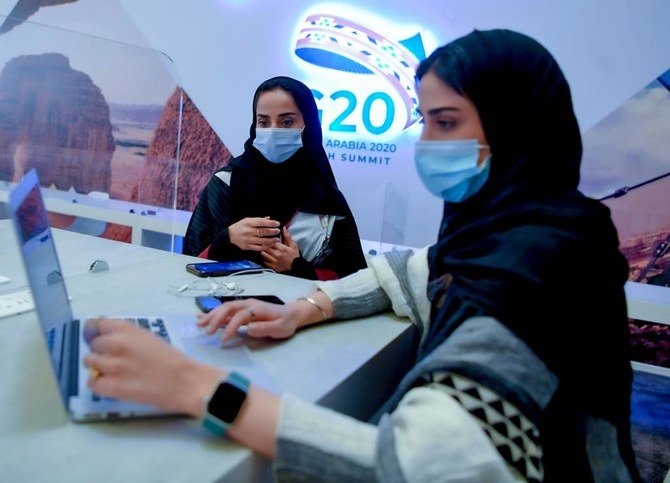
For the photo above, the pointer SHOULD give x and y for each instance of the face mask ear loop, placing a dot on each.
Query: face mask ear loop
(483, 160)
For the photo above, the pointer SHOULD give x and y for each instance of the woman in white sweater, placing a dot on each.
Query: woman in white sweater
(502, 388)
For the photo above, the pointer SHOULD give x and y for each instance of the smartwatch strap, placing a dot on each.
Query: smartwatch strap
(211, 422)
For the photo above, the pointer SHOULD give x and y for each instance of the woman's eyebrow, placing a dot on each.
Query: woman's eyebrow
(439, 110)
(283, 114)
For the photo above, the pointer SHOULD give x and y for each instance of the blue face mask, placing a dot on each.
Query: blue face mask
(278, 144)
(449, 169)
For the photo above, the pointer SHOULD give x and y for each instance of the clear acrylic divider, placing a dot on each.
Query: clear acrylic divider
(368, 206)
(405, 213)
(100, 121)
(394, 219)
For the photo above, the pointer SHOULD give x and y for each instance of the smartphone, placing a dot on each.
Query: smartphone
(207, 303)
(219, 269)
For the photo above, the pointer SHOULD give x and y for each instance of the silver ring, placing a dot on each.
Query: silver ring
(251, 313)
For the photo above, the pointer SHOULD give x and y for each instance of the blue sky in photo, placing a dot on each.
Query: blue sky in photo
(630, 145)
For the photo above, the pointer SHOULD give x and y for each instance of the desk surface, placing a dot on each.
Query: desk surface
(329, 364)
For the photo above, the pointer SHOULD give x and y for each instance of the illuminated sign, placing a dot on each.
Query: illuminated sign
(362, 80)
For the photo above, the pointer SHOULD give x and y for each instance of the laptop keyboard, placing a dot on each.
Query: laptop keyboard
(155, 325)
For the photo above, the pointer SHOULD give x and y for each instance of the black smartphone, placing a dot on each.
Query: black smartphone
(207, 303)
(220, 269)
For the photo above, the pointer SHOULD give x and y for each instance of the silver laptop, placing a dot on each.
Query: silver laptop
(63, 332)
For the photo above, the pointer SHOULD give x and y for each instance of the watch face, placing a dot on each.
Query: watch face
(226, 402)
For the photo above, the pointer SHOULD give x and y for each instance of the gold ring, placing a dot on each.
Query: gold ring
(260, 233)
(94, 373)
(251, 313)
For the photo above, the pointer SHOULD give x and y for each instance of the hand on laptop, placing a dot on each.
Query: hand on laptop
(130, 363)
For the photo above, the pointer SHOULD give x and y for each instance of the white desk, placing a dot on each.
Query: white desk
(76, 253)
(343, 365)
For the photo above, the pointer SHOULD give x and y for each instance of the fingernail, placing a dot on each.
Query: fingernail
(91, 330)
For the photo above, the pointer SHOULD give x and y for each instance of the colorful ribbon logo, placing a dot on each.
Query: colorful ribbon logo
(338, 43)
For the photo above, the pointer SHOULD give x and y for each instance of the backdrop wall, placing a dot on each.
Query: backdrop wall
(608, 50)
(359, 61)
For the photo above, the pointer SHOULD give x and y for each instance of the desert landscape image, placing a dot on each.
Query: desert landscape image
(626, 163)
(99, 117)
(642, 219)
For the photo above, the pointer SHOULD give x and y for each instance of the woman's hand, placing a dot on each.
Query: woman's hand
(280, 256)
(256, 234)
(130, 363)
(262, 319)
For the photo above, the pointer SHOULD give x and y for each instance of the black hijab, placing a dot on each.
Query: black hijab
(305, 181)
(529, 249)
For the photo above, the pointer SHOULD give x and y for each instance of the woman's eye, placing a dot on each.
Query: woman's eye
(287, 122)
(262, 123)
(445, 124)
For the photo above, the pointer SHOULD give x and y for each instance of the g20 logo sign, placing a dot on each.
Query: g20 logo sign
(339, 44)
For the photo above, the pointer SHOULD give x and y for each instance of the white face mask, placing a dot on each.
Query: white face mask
(278, 144)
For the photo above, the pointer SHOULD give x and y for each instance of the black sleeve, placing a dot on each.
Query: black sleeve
(210, 220)
(347, 251)
(345, 257)
(303, 269)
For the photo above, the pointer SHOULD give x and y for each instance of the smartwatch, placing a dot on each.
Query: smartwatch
(225, 403)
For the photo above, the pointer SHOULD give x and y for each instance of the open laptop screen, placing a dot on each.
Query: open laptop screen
(42, 267)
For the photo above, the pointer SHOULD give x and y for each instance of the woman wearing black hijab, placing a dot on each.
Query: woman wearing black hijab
(281, 184)
(522, 369)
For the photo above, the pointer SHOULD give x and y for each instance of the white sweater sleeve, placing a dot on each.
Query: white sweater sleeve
(430, 437)
(394, 280)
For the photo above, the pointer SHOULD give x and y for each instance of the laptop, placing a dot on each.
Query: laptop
(63, 332)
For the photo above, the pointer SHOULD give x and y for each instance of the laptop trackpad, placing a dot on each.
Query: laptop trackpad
(208, 350)
(232, 356)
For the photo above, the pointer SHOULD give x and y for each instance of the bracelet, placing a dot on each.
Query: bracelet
(315, 304)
